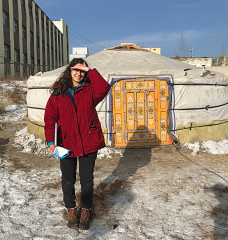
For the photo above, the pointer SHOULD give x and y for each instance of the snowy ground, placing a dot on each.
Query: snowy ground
(156, 193)
(13, 98)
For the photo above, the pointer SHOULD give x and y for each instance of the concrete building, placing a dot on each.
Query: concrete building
(220, 61)
(29, 41)
(79, 52)
(202, 62)
(155, 50)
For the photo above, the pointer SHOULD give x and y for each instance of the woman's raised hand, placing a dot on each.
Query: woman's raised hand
(80, 67)
(83, 67)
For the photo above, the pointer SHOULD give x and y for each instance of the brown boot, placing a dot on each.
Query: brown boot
(72, 218)
(85, 219)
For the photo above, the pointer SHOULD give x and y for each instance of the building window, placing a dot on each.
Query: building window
(6, 18)
(37, 17)
(15, 1)
(37, 42)
(220, 61)
(47, 48)
(31, 37)
(52, 54)
(15, 26)
(6, 51)
(32, 62)
(38, 65)
(47, 28)
(43, 46)
(23, 31)
(30, 10)
(42, 23)
(23, 4)
(32, 65)
(16, 56)
(24, 58)
(51, 32)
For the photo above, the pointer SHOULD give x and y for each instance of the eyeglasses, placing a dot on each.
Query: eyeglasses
(77, 70)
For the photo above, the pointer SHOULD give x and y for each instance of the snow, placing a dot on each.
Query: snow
(210, 146)
(216, 147)
(195, 147)
(107, 152)
(13, 113)
(30, 143)
(27, 207)
(10, 86)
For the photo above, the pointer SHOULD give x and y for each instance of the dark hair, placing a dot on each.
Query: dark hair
(64, 81)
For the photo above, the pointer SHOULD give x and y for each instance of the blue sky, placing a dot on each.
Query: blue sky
(148, 23)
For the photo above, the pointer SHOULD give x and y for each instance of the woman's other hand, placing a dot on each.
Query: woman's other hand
(52, 148)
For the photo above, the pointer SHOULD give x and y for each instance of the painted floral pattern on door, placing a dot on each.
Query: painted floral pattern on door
(163, 94)
(130, 111)
(150, 111)
(163, 126)
(117, 96)
(140, 85)
(141, 136)
(140, 110)
(118, 128)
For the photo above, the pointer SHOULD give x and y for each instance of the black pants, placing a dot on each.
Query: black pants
(86, 167)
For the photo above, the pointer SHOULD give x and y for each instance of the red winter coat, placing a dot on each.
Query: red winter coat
(78, 130)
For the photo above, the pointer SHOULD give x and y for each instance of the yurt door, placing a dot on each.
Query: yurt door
(140, 112)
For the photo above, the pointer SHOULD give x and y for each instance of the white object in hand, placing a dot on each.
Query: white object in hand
(60, 152)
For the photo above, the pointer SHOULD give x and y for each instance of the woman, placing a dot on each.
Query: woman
(72, 104)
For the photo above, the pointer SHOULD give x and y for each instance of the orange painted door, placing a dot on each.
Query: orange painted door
(140, 112)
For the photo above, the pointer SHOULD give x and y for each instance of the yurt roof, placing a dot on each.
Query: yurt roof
(135, 63)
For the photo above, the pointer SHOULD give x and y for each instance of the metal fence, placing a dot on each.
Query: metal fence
(8, 69)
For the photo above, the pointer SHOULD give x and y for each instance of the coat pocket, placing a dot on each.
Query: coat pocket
(94, 135)
(94, 123)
